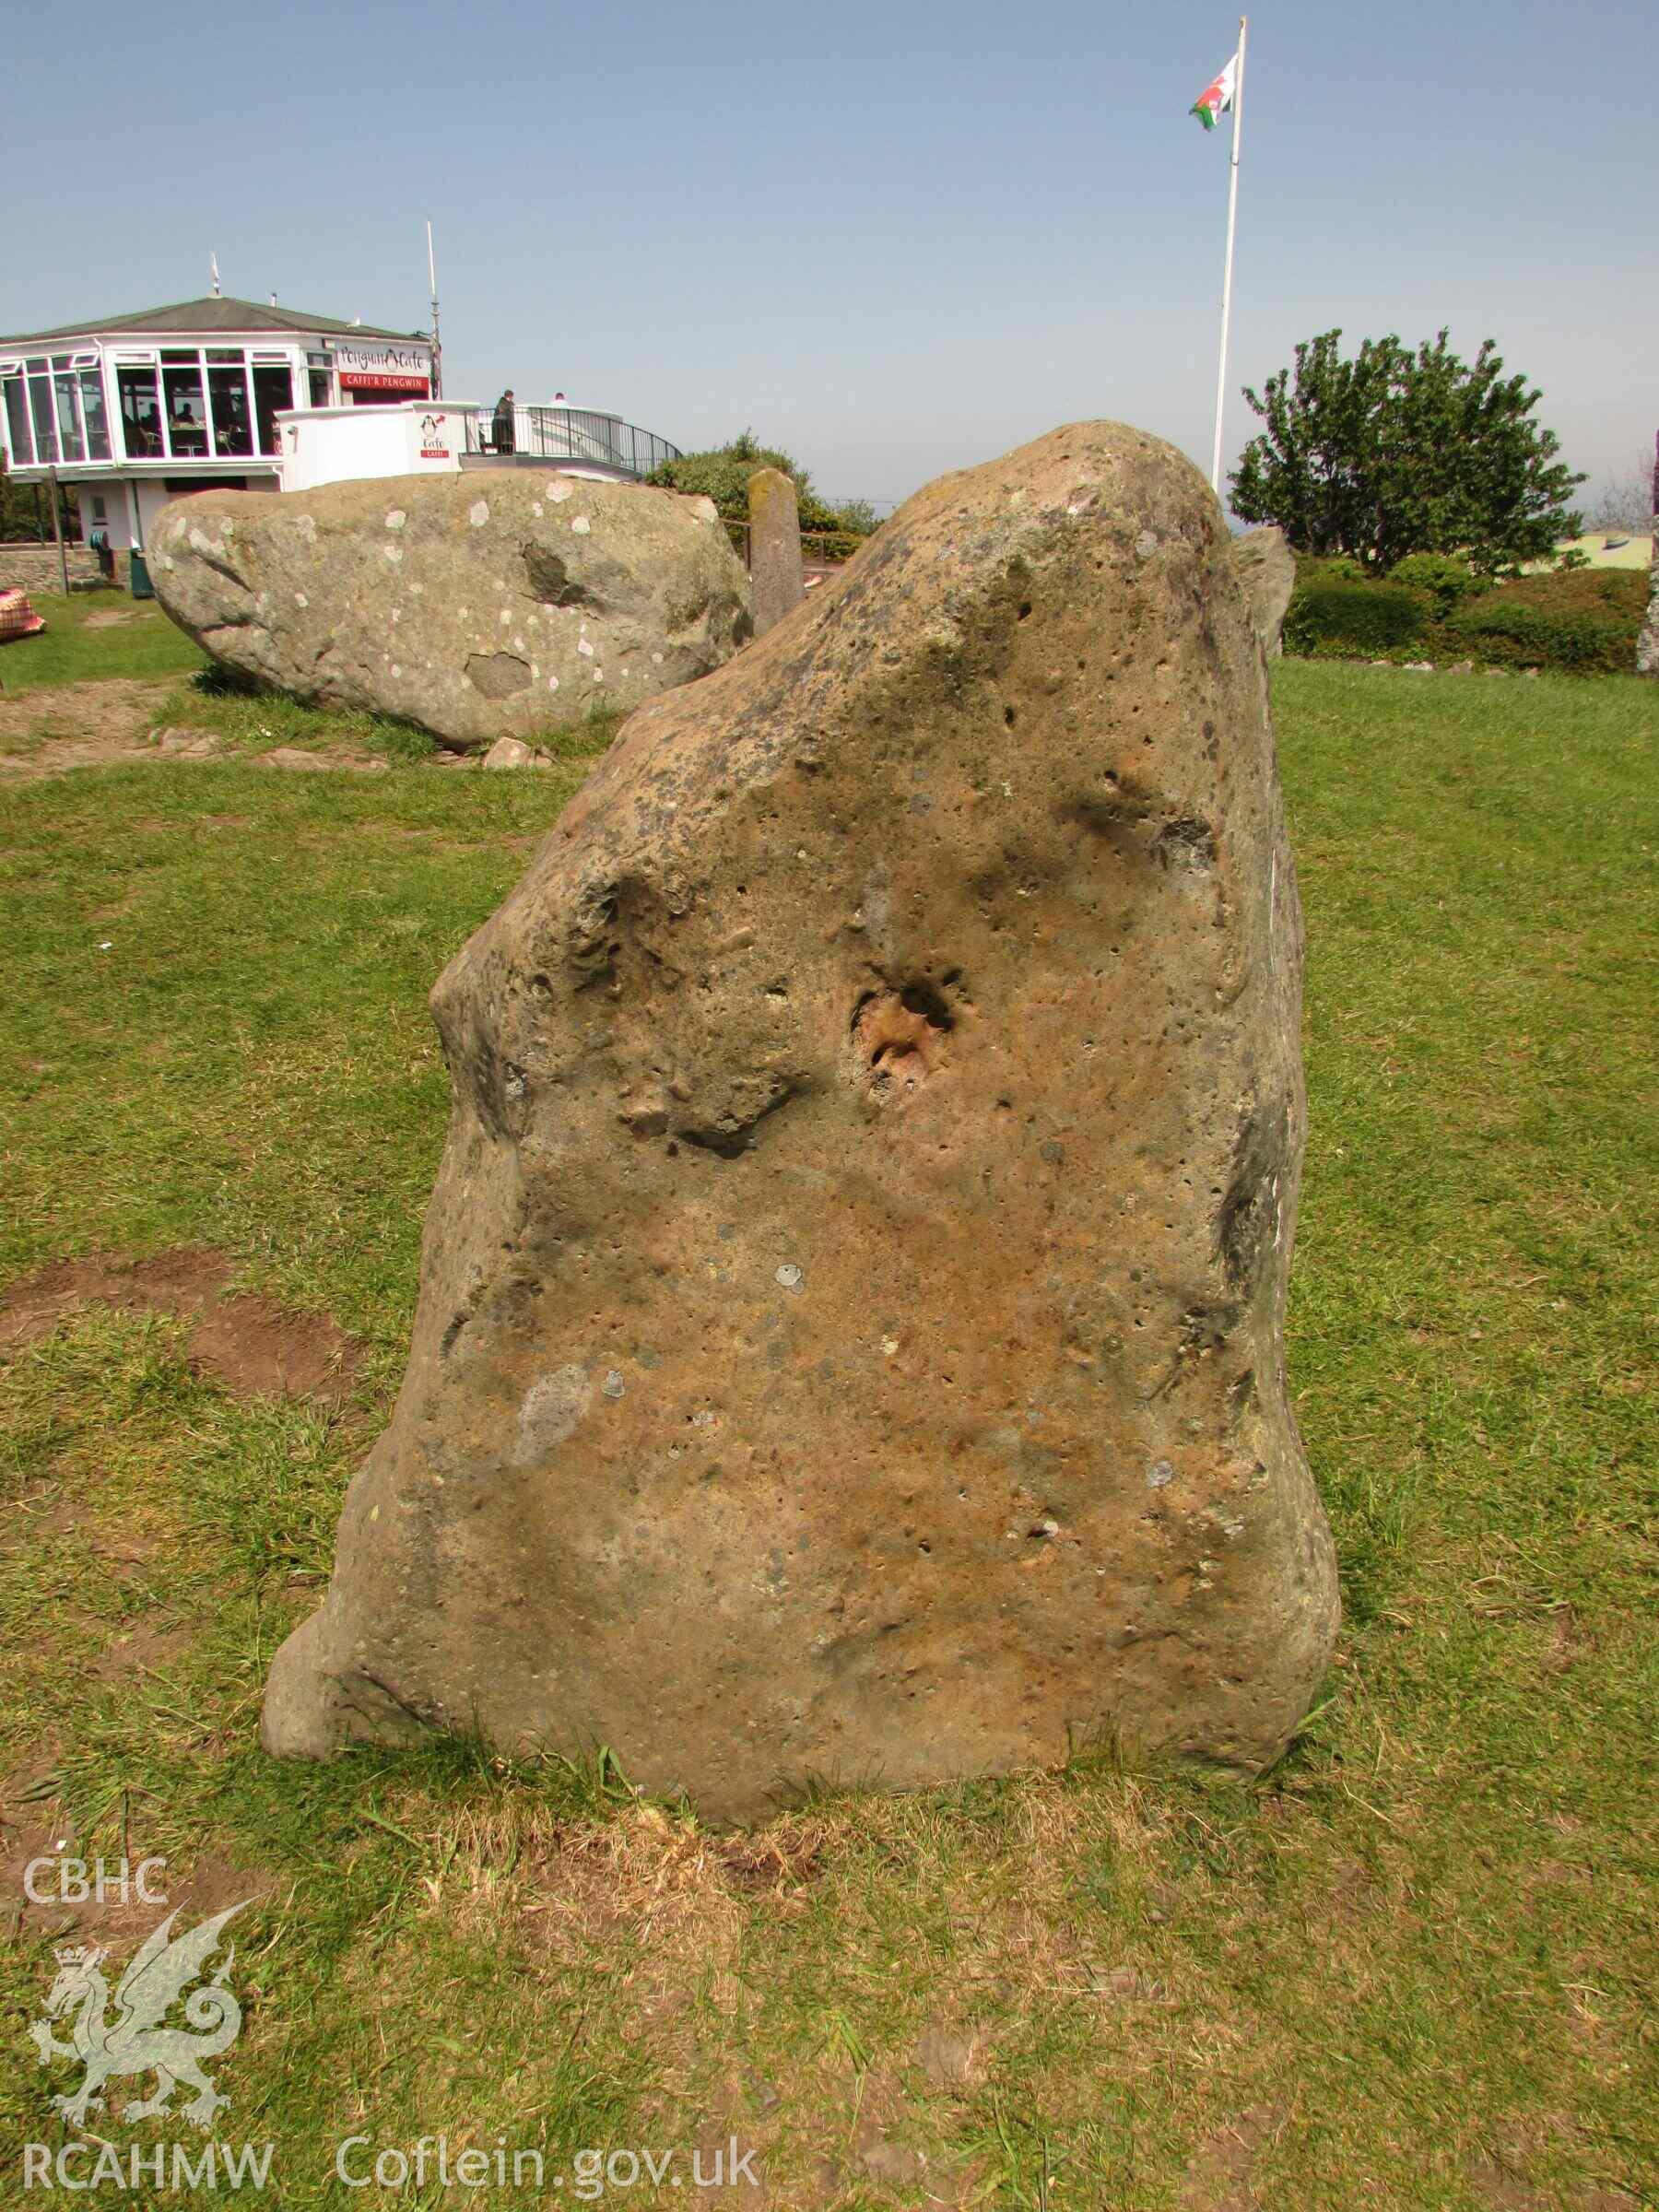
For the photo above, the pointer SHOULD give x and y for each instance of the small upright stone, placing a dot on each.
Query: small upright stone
(774, 548)
(850, 1327)
(1266, 569)
(1647, 642)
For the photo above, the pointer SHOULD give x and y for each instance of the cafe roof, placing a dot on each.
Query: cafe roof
(206, 318)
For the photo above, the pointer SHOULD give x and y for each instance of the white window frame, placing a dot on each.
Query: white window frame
(290, 358)
(167, 428)
(12, 365)
(138, 357)
(207, 369)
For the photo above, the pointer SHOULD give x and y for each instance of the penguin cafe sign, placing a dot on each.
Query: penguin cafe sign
(381, 365)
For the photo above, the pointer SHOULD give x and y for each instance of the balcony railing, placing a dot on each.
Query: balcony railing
(570, 434)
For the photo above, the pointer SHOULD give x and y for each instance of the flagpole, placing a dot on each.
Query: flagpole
(437, 342)
(1232, 219)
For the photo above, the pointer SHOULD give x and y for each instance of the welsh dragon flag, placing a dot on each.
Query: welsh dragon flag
(1213, 102)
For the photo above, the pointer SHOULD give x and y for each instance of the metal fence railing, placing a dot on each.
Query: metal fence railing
(819, 549)
(572, 434)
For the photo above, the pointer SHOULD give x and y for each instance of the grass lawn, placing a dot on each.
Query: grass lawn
(1412, 1967)
(82, 642)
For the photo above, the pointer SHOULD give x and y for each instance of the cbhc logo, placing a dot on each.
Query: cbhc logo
(94, 1881)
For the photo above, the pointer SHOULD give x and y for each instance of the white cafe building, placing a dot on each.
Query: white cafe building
(136, 409)
(221, 393)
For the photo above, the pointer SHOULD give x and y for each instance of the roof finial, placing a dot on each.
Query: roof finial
(213, 265)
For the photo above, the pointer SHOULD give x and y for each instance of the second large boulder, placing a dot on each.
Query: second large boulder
(481, 605)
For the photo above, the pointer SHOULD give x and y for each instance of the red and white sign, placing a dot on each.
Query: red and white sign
(382, 365)
(383, 380)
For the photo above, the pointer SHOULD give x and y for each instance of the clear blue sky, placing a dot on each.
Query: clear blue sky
(896, 239)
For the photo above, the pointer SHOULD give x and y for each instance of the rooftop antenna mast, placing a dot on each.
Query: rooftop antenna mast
(213, 266)
(436, 345)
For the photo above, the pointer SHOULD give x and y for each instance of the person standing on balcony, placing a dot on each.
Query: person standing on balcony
(505, 441)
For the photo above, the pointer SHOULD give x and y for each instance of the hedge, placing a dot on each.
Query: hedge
(1585, 622)
(1338, 618)
(1590, 645)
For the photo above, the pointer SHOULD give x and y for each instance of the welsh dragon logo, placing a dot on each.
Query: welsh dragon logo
(135, 2041)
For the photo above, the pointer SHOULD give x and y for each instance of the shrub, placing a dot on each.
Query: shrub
(1442, 579)
(1338, 618)
(1511, 630)
(859, 518)
(1330, 567)
(723, 473)
(1583, 621)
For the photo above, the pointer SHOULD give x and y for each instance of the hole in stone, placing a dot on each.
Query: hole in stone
(1025, 608)
(899, 1036)
(921, 998)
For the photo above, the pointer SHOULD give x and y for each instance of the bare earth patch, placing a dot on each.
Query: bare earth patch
(253, 1346)
(1218, 2177)
(78, 725)
(112, 723)
(145, 1648)
(209, 1885)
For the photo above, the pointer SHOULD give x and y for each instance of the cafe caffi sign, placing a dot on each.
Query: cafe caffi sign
(382, 363)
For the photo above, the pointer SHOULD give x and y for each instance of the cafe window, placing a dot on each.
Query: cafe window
(186, 407)
(272, 391)
(140, 412)
(40, 410)
(17, 433)
(320, 370)
(66, 392)
(227, 394)
(94, 415)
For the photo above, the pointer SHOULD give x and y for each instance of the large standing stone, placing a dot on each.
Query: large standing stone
(850, 1337)
(774, 548)
(480, 605)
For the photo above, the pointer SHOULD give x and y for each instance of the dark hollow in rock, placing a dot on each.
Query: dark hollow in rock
(498, 675)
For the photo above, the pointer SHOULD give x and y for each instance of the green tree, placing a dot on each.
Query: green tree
(1396, 452)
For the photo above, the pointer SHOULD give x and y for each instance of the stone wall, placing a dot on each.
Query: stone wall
(34, 568)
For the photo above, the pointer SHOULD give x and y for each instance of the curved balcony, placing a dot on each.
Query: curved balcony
(576, 436)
